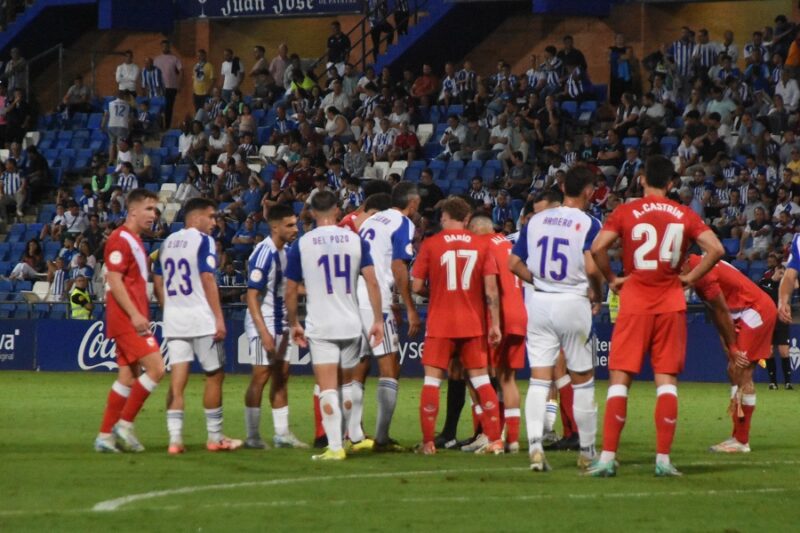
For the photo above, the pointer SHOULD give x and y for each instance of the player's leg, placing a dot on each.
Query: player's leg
(117, 397)
(388, 357)
(786, 366)
(772, 367)
(181, 355)
(474, 355)
(456, 398)
(211, 356)
(253, 395)
(742, 423)
(353, 404)
(279, 399)
(566, 395)
(513, 359)
(435, 359)
(478, 440)
(327, 376)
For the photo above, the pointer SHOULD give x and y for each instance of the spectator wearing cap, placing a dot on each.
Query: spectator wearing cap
(13, 190)
(127, 73)
(202, 80)
(338, 47)
(171, 70)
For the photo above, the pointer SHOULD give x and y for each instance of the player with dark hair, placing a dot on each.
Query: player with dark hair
(655, 233)
(128, 323)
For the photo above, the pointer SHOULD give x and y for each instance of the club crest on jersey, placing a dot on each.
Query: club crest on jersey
(115, 257)
(256, 275)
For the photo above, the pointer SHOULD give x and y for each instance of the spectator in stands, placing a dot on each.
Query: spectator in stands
(652, 114)
(406, 145)
(152, 79)
(77, 99)
(338, 47)
(127, 180)
(610, 157)
(690, 200)
(377, 14)
(476, 143)
(231, 283)
(202, 80)
(452, 138)
(336, 126)
(37, 172)
(479, 194)
(127, 74)
(88, 200)
(232, 73)
(355, 160)
(787, 89)
(13, 190)
(94, 238)
(426, 85)
(502, 211)
(259, 62)
(711, 148)
(569, 55)
(80, 300)
(621, 76)
(31, 264)
(760, 230)
(628, 172)
(19, 117)
(57, 277)
(431, 194)
(279, 64)
(140, 162)
(728, 224)
(627, 114)
(171, 70)
(75, 221)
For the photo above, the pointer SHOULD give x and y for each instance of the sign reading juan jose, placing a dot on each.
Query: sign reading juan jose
(264, 8)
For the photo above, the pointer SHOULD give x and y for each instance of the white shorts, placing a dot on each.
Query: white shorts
(343, 352)
(210, 353)
(259, 356)
(391, 341)
(560, 321)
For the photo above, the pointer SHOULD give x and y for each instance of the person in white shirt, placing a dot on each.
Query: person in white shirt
(452, 137)
(336, 98)
(328, 260)
(729, 48)
(232, 71)
(500, 134)
(383, 141)
(127, 73)
(186, 287)
(788, 90)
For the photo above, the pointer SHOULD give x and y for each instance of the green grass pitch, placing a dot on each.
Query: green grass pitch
(51, 480)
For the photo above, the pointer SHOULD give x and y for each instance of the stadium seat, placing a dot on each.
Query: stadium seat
(630, 142)
(741, 265)
(381, 169)
(570, 107)
(432, 149)
(18, 248)
(444, 185)
(412, 174)
(6, 289)
(668, 145)
(424, 133)
(459, 187)
(51, 250)
(452, 174)
(7, 310)
(58, 312)
(95, 120)
(298, 207)
(5, 250)
(731, 246)
(23, 286)
(418, 163)
(488, 174)
(40, 310)
(41, 288)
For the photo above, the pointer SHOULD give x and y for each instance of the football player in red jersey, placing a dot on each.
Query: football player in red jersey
(655, 234)
(509, 355)
(461, 276)
(128, 323)
(745, 316)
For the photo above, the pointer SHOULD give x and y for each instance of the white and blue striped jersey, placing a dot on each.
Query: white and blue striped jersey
(390, 235)
(552, 245)
(266, 268)
(183, 256)
(329, 260)
(681, 53)
(12, 182)
(794, 253)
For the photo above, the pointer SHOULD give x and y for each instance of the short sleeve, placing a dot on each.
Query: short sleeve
(420, 268)
(402, 245)
(520, 248)
(707, 288)
(591, 235)
(294, 267)
(794, 254)
(117, 255)
(696, 226)
(366, 257)
(259, 267)
(207, 255)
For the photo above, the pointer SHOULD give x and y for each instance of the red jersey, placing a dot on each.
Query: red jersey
(349, 221)
(739, 291)
(655, 233)
(454, 262)
(124, 253)
(513, 316)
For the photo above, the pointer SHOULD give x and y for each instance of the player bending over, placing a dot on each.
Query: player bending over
(328, 260)
(655, 233)
(267, 331)
(745, 317)
(390, 234)
(128, 323)
(509, 356)
(186, 286)
(553, 253)
(461, 275)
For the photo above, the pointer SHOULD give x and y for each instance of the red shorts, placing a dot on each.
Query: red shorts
(509, 354)
(662, 335)
(132, 347)
(754, 329)
(472, 351)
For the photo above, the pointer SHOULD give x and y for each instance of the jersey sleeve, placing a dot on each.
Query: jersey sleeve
(520, 248)
(420, 268)
(118, 255)
(794, 254)
(402, 242)
(614, 222)
(207, 256)
(366, 257)
(695, 224)
(259, 267)
(294, 267)
(591, 235)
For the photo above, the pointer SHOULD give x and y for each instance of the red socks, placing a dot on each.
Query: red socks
(491, 410)
(566, 396)
(614, 420)
(666, 417)
(141, 389)
(741, 427)
(512, 424)
(117, 397)
(429, 408)
(319, 431)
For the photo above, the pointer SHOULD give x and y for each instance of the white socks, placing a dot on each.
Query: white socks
(280, 420)
(535, 407)
(584, 410)
(214, 424)
(353, 395)
(175, 426)
(551, 414)
(252, 421)
(331, 418)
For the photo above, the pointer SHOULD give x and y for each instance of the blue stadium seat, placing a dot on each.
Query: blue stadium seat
(23, 286)
(589, 106)
(669, 144)
(298, 207)
(452, 174)
(40, 310)
(756, 274)
(570, 107)
(741, 265)
(440, 128)
(494, 163)
(95, 120)
(78, 143)
(455, 164)
(488, 173)
(6, 267)
(44, 144)
(432, 149)
(167, 171)
(418, 163)
(7, 310)
(18, 248)
(175, 226)
(180, 173)
(169, 142)
(151, 187)
(6, 288)
(470, 171)
(630, 142)
(263, 134)
(51, 250)
(731, 246)
(459, 187)
(444, 185)
(412, 174)
(5, 249)
(437, 163)
(58, 312)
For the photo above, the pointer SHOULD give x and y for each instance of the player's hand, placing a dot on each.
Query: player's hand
(268, 341)
(414, 323)
(740, 359)
(220, 331)
(495, 336)
(397, 314)
(785, 313)
(617, 283)
(299, 336)
(140, 324)
(375, 334)
(596, 308)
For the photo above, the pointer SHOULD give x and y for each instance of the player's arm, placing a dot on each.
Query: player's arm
(401, 281)
(519, 269)
(595, 278)
(602, 243)
(120, 293)
(158, 289)
(492, 295)
(721, 317)
(209, 283)
(785, 295)
(712, 252)
(294, 278)
(374, 292)
(254, 306)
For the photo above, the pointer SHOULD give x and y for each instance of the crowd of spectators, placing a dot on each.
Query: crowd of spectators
(279, 132)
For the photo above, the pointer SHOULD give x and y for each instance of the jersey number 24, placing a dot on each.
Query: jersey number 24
(668, 252)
